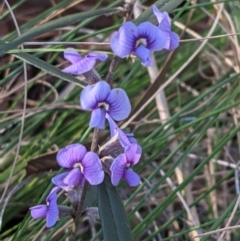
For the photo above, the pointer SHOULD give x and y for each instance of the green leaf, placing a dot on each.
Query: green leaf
(113, 217)
(49, 26)
(48, 68)
(163, 5)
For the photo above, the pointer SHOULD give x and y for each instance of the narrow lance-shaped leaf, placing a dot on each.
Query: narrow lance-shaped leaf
(113, 217)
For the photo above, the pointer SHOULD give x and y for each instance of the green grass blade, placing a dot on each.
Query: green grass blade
(58, 23)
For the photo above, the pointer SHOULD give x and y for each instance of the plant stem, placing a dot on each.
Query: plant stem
(112, 69)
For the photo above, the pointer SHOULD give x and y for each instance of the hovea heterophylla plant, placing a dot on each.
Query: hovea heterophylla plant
(87, 167)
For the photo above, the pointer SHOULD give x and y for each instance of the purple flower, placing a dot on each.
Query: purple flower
(140, 40)
(101, 100)
(120, 168)
(49, 211)
(125, 139)
(80, 65)
(165, 25)
(84, 165)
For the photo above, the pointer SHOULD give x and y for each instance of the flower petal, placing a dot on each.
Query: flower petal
(58, 181)
(132, 177)
(174, 41)
(165, 24)
(101, 57)
(112, 125)
(131, 138)
(157, 13)
(39, 211)
(92, 95)
(81, 66)
(52, 214)
(144, 55)
(156, 39)
(85, 102)
(98, 118)
(119, 104)
(52, 196)
(70, 155)
(73, 178)
(123, 42)
(118, 169)
(72, 55)
(125, 139)
(133, 153)
(92, 168)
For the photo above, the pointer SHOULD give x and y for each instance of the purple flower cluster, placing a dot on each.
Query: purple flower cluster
(145, 39)
(106, 104)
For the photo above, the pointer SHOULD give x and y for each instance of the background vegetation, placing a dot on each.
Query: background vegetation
(191, 141)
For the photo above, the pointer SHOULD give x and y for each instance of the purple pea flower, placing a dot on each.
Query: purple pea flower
(142, 41)
(101, 100)
(80, 65)
(84, 165)
(164, 24)
(49, 211)
(120, 168)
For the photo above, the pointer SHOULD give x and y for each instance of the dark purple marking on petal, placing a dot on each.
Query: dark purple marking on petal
(72, 55)
(131, 177)
(156, 39)
(118, 169)
(119, 104)
(92, 95)
(92, 168)
(70, 155)
(123, 41)
(39, 211)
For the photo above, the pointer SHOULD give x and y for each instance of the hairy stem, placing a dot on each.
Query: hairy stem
(112, 69)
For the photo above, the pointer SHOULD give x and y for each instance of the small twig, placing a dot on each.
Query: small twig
(217, 231)
(95, 139)
(230, 219)
(66, 43)
(112, 69)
